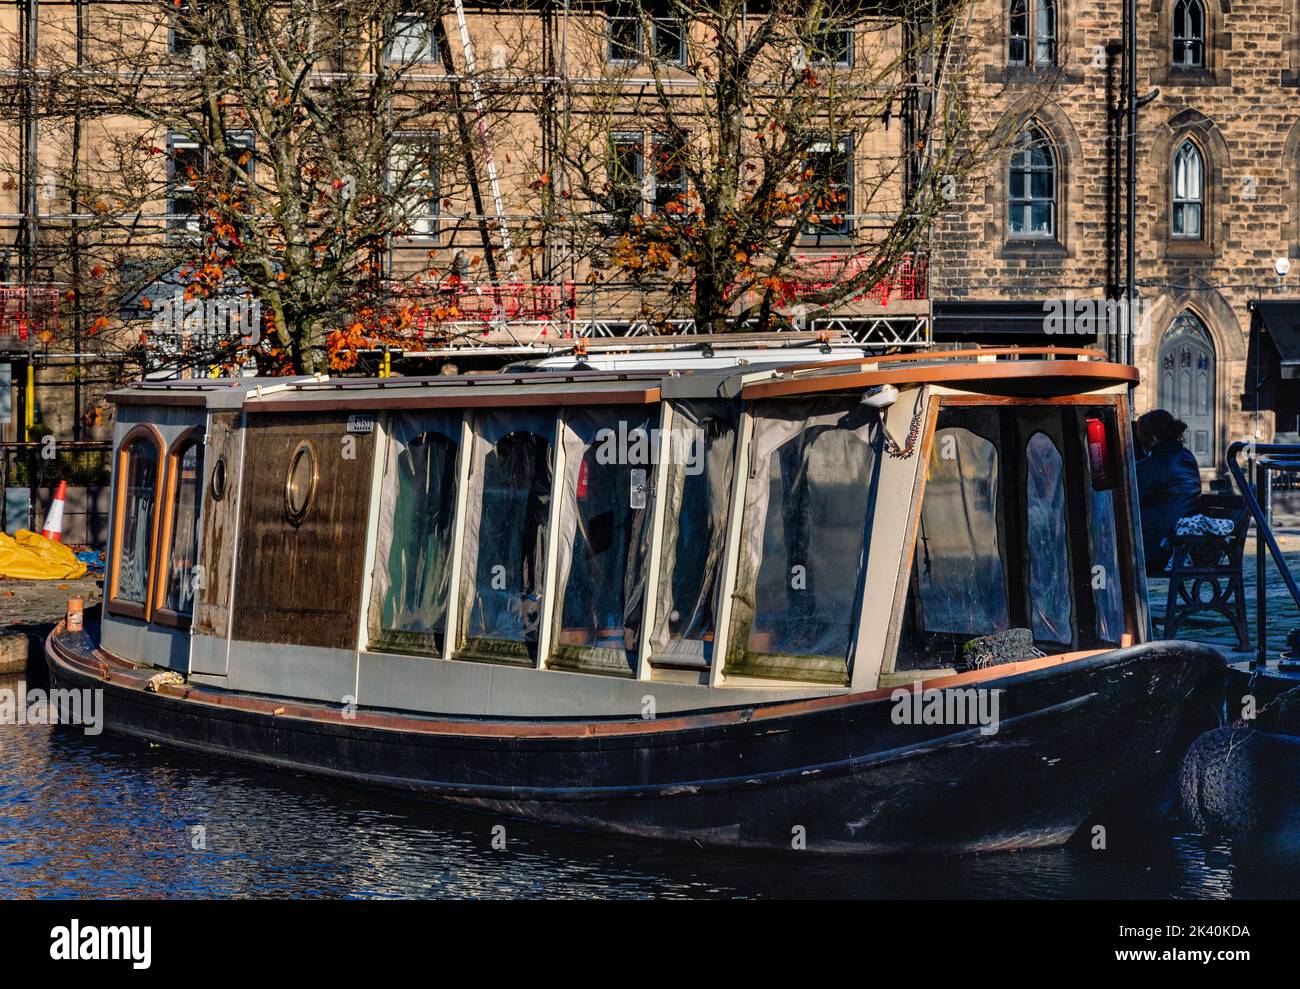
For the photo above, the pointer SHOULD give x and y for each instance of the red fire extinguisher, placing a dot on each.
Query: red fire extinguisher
(1099, 454)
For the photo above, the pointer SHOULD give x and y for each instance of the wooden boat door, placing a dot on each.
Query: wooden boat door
(303, 516)
(222, 462)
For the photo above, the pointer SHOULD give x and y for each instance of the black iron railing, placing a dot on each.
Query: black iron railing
(1267, 458)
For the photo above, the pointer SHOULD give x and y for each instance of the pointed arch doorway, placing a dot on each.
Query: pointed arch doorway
(1187, 382)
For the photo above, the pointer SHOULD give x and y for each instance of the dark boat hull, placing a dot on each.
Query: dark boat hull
(831, 775)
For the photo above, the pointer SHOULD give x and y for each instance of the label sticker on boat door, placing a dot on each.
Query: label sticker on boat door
(361, 423)
(640, 487)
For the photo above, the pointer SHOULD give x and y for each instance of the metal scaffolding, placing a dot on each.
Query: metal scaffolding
(29, 277)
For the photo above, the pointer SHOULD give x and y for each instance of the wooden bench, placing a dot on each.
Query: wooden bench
(1213, 563)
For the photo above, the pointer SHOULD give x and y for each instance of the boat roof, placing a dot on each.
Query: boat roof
(1005, 371)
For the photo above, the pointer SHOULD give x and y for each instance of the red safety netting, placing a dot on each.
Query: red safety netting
(907, 282)
(28, 310)
(457, 302)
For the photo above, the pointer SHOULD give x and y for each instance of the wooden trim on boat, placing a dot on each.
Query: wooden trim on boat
(132, 609)
(488, 398)
(964, 354)
(1005, 400)
(109, 669)
(896, 616)
(1103, 373)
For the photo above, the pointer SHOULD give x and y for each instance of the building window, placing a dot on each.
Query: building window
(624, 35)
(669, 41)
(412, 40)
(1031, 187)
(627, 42)
(829, 171)
(1031, 32)
(184, 169)
(413, 178)
(1189, 191)
(832, 46)
(240, 149)
(188, 164)
(1189, 34)
(670, 183)
(181, 40)
(626, 169)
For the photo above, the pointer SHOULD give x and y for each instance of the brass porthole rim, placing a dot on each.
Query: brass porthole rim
(309, 449)
(218, 490)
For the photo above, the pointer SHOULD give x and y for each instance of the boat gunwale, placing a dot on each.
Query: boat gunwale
(104, 666)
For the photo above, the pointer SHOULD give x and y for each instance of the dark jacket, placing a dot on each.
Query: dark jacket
(1169, 486)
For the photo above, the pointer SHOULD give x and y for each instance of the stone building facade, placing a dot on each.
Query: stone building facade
(1216, 199)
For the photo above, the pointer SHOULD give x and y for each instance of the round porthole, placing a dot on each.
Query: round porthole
(300, 482)
(217, 486)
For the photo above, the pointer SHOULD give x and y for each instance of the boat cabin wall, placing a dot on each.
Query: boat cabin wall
(151, 575)
(577, 559)
(473, 561)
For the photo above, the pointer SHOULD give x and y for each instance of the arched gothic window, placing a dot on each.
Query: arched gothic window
(1031, 186)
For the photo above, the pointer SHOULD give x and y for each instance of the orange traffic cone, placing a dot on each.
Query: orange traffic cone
(54, 518)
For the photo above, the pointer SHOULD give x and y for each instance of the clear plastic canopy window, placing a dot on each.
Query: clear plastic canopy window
(811, 473)
(409, 598)
(1103, 541)
(507, 512)
(1051, 609)
(697, 496)
(960, 582)
(604, 537)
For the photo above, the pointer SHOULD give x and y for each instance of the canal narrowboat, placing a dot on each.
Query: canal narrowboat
(859, 605)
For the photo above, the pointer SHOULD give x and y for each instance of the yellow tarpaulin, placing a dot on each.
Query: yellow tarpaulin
(30, 556)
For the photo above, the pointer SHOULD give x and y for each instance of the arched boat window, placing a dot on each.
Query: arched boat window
(413, 549)
(181, 542)
(505, 535)
(604, 537)
(702, 444)
(1047, 541)
(812, 469)
(135, 527)
(960, 581)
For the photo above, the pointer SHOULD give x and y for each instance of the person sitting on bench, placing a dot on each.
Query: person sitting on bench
(1169, 483)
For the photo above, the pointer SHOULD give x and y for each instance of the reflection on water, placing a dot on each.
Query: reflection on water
(99, 817)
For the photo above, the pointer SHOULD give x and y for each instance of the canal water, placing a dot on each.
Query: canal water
(102, 817)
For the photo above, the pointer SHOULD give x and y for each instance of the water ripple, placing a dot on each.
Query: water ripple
(101, 817)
